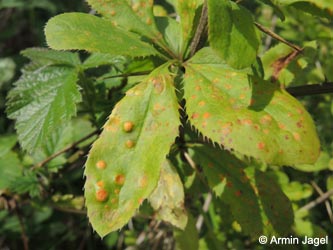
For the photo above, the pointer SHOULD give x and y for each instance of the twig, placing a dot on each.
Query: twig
(200, 29)
(317, 201)
(70, 210)
(327, 204)
(24, 236)
(277, 37)
(312, 89)
(205, 208)
(268, 39)
(64, 150)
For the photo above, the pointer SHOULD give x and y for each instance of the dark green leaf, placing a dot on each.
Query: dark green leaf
(47, 56)
(189, 238)
(10, 169)
(225, 175)
(41, 102)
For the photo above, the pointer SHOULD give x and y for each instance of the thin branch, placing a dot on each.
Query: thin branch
(70, 210)
(317, 201)
(277, 37)
(312, 89)
(200, 29)
(24, 236)
(64, 150)
(327, 204)
(205, 208)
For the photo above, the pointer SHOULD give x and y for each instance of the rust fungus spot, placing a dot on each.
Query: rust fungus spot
(119, 179)
(222, 177)
(247, 122)
(143, 181)
(229, 184)
(282, 126)
(114, 200)
(193, 97)
(100, 184)
(266, 131)
(101, 164)
(242, 96)
(238, 193)
(158, 85)
(149, 21)
(206, 115)
(215, 80)
(140, 200)
(128, 126)
(116, 191)
(198, 88)
(135, 7)
(130, 144)
(266, 119)
(297, 137)
(113, 13)
(101, 195)
(195, 115)
(228, 86)
(299, 124)
(261, 145)
(202, 103)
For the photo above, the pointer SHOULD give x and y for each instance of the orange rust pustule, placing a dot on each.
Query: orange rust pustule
(128, 126)
(101, 164)
(119, 179)
(101, 195)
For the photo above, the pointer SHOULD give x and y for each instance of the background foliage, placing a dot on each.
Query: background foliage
(41, 200)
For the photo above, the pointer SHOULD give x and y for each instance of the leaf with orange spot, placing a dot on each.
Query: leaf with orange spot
(266, 123)
(168, 197)
(132, 15)
(130, 174)
(226, 177)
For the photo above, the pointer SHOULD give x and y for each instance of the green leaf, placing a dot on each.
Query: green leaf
(99, 59)
(189, 238)
(320, 8)
(225, 175)
(275, 203)
(232, 33)
(124, 164)
(168, 197)
(187, 11)
(131, 15)
(47, 56)
(254, 117)
(10, 169)
(6, 143)
(322, 163)
(41, 102)
(93, 34)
